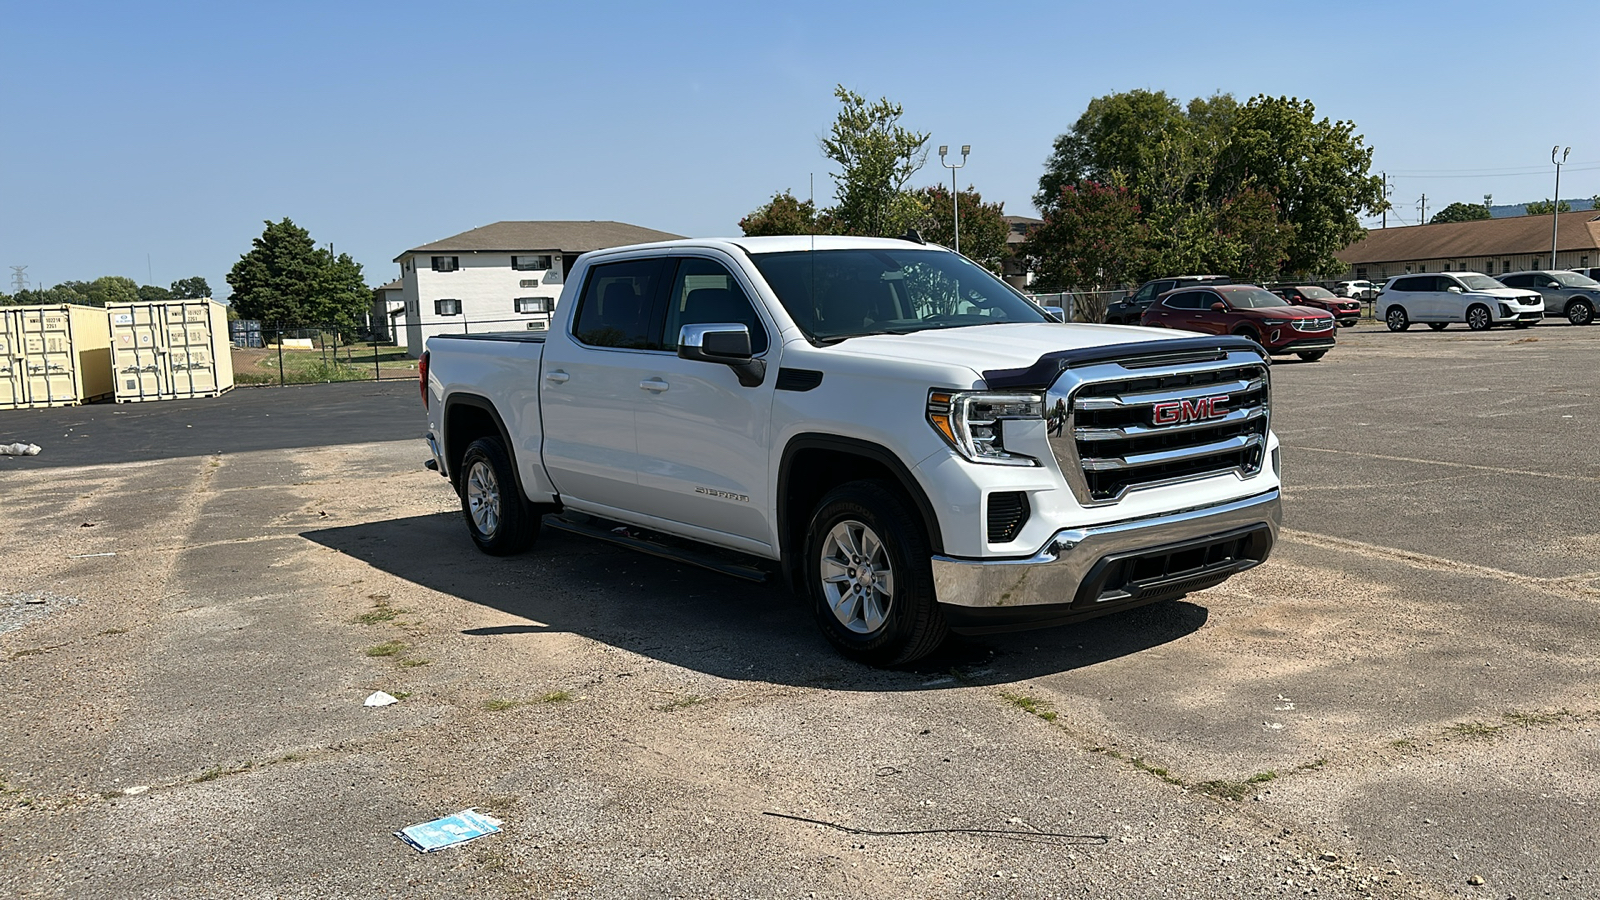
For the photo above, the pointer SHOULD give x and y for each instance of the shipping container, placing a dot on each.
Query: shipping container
(170, 350)
(53, 356)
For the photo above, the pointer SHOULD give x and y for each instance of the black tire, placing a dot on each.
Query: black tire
(1395, 317)
(1579, 312)
(1521, 325)
(1479, 318)
(1438, 326)
(497, 516)
(910, 625)
(1312, 356)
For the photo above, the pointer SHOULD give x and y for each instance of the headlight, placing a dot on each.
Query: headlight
(970, 423)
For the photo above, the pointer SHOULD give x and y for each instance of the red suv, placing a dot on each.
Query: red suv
(1345, 312)
(1244, 309)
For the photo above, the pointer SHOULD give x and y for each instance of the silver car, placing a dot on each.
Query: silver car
(1565, 293)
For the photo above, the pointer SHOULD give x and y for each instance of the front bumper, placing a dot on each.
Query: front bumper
(1304, 345)
(1090, 571)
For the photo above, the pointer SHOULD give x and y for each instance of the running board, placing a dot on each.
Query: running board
(608, 531)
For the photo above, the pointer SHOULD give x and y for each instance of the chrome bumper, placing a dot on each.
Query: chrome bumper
(1056, 574)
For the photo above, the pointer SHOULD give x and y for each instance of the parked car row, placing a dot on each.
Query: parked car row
(1277, 325)
(1519, 299)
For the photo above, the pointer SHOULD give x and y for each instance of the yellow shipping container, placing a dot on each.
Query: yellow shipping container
(170, 350)
(53, 356)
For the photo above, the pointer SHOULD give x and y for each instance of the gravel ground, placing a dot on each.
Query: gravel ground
(1401, 703)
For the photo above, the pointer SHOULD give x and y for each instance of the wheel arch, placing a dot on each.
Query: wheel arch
(813, 464)
(468, 417)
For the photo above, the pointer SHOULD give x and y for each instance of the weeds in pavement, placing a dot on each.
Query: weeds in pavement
(380, 612)
(1531, 720)
(411, 662)
(1473, 730)
(556, 697)
(387, 648)
(499, 705)
(681, 703)
(1235, 790)
(113, 631)
(1030, 705)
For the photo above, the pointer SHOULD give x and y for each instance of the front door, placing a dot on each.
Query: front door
(703, 437)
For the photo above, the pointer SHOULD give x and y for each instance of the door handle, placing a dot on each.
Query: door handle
(654, 384)
(556, 377)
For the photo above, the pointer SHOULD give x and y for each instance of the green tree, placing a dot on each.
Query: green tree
(783, 214)
(339, 292)
(983, 225)
(1317, 170)
(280, 280)
(112, 289)
(1545, 208)
(1255, 240)
(1092, 238)
(194, 288)
(1120, 138)
(1461, 212)
(876, 157)
(150, 293)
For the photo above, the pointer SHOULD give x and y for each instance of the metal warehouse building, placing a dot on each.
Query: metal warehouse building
(1490, 246)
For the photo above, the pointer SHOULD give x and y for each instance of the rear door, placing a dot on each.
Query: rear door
(703, 437)
(592, 374)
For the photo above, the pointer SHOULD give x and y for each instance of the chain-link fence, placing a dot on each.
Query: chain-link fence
(271, 354)
(1081, 306)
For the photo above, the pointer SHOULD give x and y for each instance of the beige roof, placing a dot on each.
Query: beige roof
(559, 237)
(1487, 237)
(394, 285)
(1019, 227)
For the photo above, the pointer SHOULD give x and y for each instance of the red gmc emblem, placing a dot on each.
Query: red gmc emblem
(1177, 412)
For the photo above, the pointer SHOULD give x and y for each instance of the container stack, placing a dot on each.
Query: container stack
(170, 350)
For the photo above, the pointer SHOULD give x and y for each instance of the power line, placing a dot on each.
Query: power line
(1544, 173)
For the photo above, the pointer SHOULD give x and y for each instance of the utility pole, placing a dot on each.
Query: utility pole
(19, 279)
(1422, 210)
(1388, 191)
(1555, 207)
(955, 200)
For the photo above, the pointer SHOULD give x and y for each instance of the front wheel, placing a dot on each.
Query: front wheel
(869, 574)
(1312, 356)
(1396, 318)
(1478, 317)
(498, 520)
(1580, 313)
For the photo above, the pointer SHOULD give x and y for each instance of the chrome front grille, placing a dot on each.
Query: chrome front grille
(1120, 427)
(1317, 324)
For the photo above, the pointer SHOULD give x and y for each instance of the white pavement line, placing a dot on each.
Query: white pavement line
(1558, 585)
(1439, 462)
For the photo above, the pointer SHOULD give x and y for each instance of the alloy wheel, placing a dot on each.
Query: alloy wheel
(483, 498)
(857, 576)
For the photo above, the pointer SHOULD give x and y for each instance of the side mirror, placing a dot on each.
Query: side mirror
(1219, 306)
(1554, 285)
(1453, 289)
(1056, 312)
(722, 342)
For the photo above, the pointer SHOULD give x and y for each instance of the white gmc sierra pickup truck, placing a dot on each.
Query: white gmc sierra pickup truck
(912, 444)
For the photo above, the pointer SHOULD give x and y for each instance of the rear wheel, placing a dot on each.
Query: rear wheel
(497, 518)
(1396, 318)
(1438, 326)
(1478, 317)
(1579, 312)
(1312, 356)
(870, 578)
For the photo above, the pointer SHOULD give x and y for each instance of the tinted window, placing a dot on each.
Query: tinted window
(1413, 284)
(703, 292)
(1253, 298)
(845, 293)
(1573, 279)
(616, 305)
(1145, 293)
(1187, 300)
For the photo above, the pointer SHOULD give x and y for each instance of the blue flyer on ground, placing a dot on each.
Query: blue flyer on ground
(449, 831)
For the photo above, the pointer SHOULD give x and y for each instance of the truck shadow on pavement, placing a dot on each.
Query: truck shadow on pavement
(713, 623)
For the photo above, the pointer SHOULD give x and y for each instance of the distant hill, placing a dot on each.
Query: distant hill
(1521, 209)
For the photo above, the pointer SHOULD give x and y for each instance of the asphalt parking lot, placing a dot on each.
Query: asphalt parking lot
(1401, 703)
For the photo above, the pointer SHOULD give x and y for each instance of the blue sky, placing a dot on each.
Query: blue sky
(162, 135)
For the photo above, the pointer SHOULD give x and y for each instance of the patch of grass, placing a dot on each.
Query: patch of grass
(31, 651)
(215, 772)
(400, 695)
(1029, 705)
(557, 697)
(411, 662)
(1161, 773)
(113, 631)
(498, 705)
(253, 378)
(1473, 730)
(1312, 766)
(380, 612)
(1532, 719)
(681, 703)
(387, 648)
(1235, 790)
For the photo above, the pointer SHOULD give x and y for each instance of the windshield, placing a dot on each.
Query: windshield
(1573, 279)
(1479, 282)
(1253, 298)
(1316, 293)
(835, 294)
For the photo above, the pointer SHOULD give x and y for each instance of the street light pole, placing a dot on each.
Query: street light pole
(1555, 207)
(955, 204)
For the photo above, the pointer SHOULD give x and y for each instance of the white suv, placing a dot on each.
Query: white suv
(1446, 297)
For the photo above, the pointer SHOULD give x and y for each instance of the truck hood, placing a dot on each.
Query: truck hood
(988, 347)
